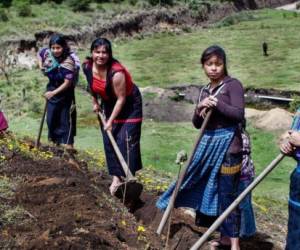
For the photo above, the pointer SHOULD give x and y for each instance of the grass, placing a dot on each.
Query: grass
(58, 18)
(167, 59)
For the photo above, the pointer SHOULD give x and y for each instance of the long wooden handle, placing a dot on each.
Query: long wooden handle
(168, 210)
(37, 143)
(128, 174)
(237, 201)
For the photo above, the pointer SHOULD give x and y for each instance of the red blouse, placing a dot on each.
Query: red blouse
(98, 86)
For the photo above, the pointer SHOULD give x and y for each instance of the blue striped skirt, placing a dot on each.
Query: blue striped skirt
(199, 189)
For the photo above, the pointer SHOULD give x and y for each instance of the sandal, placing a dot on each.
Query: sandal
(217, 244)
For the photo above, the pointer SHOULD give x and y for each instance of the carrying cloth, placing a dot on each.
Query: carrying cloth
(3, 122)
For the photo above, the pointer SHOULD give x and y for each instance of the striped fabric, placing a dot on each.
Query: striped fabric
(293, 236)
(200, 186)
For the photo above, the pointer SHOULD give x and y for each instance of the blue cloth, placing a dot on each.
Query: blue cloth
(248, 227)
(293, 237)
(199, 189)
(228, 192)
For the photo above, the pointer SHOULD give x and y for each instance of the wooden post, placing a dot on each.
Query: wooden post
(237, 201)
(168, 210)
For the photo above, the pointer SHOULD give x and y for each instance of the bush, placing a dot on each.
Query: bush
(133, 2)
(3, 15)
(25, 10)
(23, 7)
(297, 6)
(5, 3)
(161, 2)
(79, 5)
(295, 104)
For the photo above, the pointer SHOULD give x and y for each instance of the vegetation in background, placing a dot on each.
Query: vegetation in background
(167, 59)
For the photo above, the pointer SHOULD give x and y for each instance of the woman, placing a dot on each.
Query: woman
(122, 104)
(211, 182)
(291, 147)
(59, 66)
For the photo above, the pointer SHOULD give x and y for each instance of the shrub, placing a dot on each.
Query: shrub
(161, 2)
(5, 3)
(133, 2)
(23, 7)
(3, 15)
(295, 104)
(79, 5)
(297, 6)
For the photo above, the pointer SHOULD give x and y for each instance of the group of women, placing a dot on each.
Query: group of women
(220, 167)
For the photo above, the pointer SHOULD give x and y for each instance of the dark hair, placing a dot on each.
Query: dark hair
(214, 51)
(60, 40)
(107, 44)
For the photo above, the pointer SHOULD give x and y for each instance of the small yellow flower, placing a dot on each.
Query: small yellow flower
(141, 229)
(123, 222)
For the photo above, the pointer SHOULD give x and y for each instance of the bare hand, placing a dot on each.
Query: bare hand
(108, 126)
(294, 138)
(49, 94)
(203, 113)
(96, 108)
(286, 148)
(208, 102)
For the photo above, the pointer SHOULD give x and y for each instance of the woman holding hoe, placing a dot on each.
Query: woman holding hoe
(59, 65)
(211, 182)
(291, 146)
(122, 104)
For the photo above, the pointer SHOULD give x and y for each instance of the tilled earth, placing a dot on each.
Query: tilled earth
(66, 206)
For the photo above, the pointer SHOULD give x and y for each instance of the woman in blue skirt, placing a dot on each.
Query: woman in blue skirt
(122, 104)
(60, 65)
(212, 179)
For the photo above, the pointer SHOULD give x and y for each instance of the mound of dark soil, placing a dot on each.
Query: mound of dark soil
(66, 206)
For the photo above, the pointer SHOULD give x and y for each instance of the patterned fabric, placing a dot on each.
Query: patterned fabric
(247, 171)
(3, 122)
(199, 189)
(228, 192)
(248, 225)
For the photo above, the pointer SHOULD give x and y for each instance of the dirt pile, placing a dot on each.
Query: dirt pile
(66, 206)
(271, 120)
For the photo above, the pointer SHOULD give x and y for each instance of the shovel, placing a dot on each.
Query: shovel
(133, 189)
(37, 143)
(167, 212)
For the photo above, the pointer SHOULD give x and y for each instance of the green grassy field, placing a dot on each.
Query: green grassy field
(167, 59)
